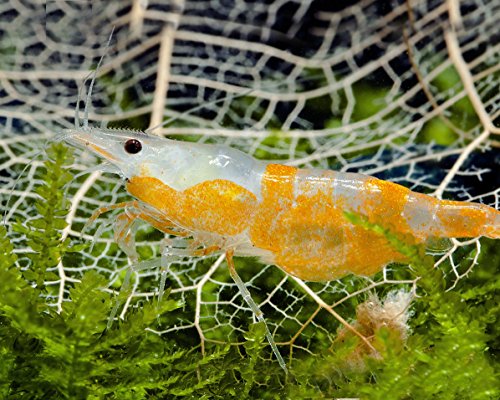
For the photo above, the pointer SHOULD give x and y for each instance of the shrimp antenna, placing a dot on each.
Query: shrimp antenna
(200, 107)
(89, 94)
(77, 122)
(77, 106)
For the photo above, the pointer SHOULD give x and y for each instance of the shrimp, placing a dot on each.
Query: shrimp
(217, 199)
(289, 217)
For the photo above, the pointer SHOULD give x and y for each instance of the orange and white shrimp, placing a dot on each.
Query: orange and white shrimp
(218, 199)
(214, 198)
(293, 218)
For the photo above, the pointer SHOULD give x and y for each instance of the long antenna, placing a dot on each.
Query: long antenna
(77, 122)
(77, 106)
(94, 76)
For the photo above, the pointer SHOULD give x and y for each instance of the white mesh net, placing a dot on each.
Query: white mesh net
(406, 91)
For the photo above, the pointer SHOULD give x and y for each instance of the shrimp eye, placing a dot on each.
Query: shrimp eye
(133, 146)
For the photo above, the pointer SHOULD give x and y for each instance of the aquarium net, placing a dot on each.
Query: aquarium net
(403, 90)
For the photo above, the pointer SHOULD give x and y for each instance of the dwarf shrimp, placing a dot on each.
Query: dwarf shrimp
(216, 199)
(289, 217)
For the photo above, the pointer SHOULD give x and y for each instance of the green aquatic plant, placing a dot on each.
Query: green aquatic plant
(448, 353)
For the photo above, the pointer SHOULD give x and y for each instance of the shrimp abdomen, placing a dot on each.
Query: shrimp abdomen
(301, 221)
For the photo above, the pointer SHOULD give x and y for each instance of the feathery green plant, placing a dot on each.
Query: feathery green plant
(44, 231)
(70, 355)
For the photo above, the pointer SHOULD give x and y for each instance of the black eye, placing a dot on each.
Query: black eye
(133, 146)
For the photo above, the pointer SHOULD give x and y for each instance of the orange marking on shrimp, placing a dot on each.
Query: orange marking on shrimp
(217, 206)
(206, 251)
(385, 202)
(308, 234)
(266, 231)
(462, 219)
(101, 151)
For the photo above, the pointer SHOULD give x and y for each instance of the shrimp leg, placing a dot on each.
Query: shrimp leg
(169, 254)
(173, 249)
(101, 210)
(156, 219)
(133, 268)
(124, 233)
(253, 306)
(183, 249)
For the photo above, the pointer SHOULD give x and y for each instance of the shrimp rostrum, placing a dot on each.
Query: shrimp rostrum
(224, 200)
